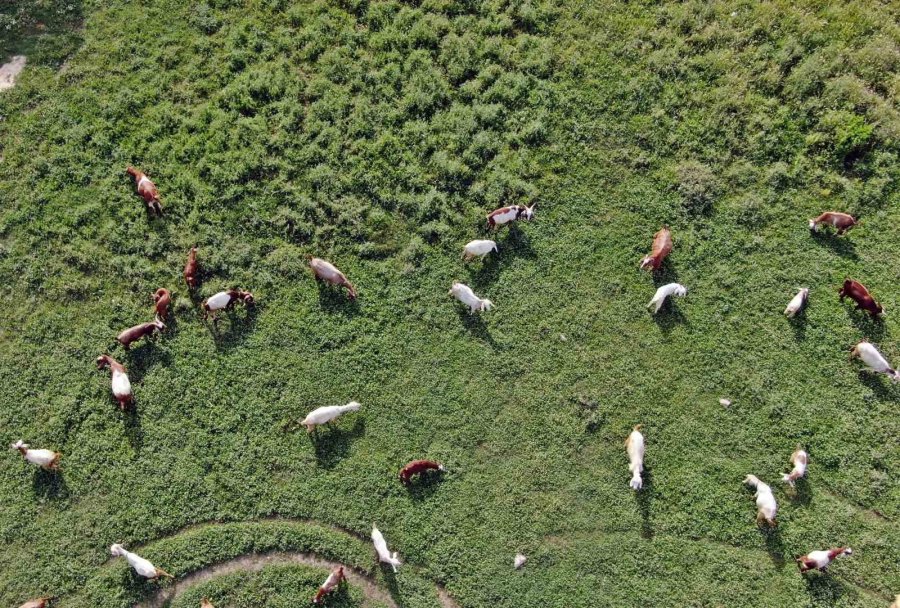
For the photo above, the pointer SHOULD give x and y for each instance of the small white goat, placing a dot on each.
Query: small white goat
(142, 566)
(327, 413)
(381, 548)
(797, 303)
(46, 459)
(799, 459)
(765, 501)
(478, 248)
(874, 359)
(635, 447)
(519, 561)
(672, 289)
(464, 294)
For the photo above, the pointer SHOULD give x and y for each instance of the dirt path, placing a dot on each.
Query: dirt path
(9, 71)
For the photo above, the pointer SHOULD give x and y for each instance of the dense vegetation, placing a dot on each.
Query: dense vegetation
(377, 134)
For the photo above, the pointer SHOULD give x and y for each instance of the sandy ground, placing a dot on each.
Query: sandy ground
(9, 71)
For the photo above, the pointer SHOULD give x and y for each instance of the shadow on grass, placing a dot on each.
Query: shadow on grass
(424, 485)
(873, 329)
(669, 316)
(238, 328)
(50, 485)
(390, 581)
(475, 325)
(802, 493)
(644, 499)
(145, 356)
(666, 274)
(839, 245)
(774, 545)
(131, 421)
(333, 444)
(883, 387)
(334, 299)
(798, 324)
(824, 589)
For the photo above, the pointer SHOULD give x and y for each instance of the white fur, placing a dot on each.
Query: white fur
(799, 460)
(765, 500)
(381, 548)
(142, 180)
(218, 301)
(820, 558)
(121, 386)
(464, 294)
(875, 360)
(478, 248)
(519, 561)
(635, 447)
(797, 302)
(327, 413)
(41, 458)
(142, 566)
(672, 289)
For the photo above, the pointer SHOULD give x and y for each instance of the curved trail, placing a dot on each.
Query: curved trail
(256, 562)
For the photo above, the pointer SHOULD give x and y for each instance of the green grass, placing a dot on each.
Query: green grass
(377, 134)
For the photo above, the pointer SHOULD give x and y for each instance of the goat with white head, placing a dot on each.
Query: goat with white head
(799, 459)
(672, 289)
(478, 248)
(381, 548)
(464, 294)
(874, 359)
(765, 501)
(325, 414)
(142, 566)
(635, 447)
(797, 303)
(46, 459)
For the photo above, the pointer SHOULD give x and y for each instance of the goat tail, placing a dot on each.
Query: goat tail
(161, 572)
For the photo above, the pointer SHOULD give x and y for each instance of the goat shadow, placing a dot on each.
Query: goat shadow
(824, 589)
(798, 324)
(476, 326)
(644, 499)
(802, 493)
(334, 299)
(839, 245)
(774, 545)
(131, 423)
(669, 316)
(425, 485)
(872, 328)
(390, 581)
(333, 445)
(145, 356)
(666, 274)
(516, 244)
(49, 485)
(238, 328)
(883, 387)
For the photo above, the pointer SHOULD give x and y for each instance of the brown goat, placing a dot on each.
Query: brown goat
(191, 268)
(417, 467)
(841, 221)
(662, 246)
(41, 602)
(331, 583)
(161, 299)
(857, 292)
(147, 190)
(139, 331)
(326, 271)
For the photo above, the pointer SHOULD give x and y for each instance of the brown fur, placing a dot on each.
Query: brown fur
(139, 331)
(842, 222)
(41, 602)
(417, 467)
(662, 246)
(191, 268)
(330, 584)
(147, 191)
(857, 292)
(236, 295)
(333, 277)
(162, 298)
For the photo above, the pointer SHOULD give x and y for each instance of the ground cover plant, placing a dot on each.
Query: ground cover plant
(378, 134)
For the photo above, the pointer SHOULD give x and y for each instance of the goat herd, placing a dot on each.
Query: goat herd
(325, 271)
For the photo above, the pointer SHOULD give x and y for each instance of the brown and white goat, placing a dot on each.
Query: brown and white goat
(513, 213)
(140, 565)
(121, 386)
(799, 459)
(328, 272)
(41, 602)
(662, 246)
(766, 507)
(191, 269)
(819, 560)
(842, 222)
(331, 583)
(418, 467)
(139, 331)
(46, 459)
(205, 603)
(225, 300)
(161, 300)
(857, 292)
(147, 190)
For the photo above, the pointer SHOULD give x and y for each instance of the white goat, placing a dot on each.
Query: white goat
(635, 447)
(519, 561)
(464, 294)
(381, 548)
(797, 303)
(799, 459)
(142, 566)
(46, 459)
(672, 289)
(478, 248)
(327, 413)
(765, 501)
(874, 359)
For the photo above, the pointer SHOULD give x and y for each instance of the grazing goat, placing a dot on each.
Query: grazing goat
(519, 561)
(672, 289)
(478, 248)
(857, 292)
(874, 359)
(139, 331)
(142, 566)
(161, 300)
(765, 501)
(41, 602)
(46, 459)
(191, 269)
(464, 294)
(147, 190)
(224, 300)
(418, 467)
(799, 459)
(328, 272)
(381, 548)
(662, 246)
(635, 447)
(322, 415)
(505, 215)
(819, 560)
(331, 583)
(797, 303)
(841, 221)
(205, 603)
(121, 386)
(896, 603)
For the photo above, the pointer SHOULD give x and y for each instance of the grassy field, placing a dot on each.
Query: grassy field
(377, 134)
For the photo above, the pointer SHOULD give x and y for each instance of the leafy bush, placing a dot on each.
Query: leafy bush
(697, 185)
